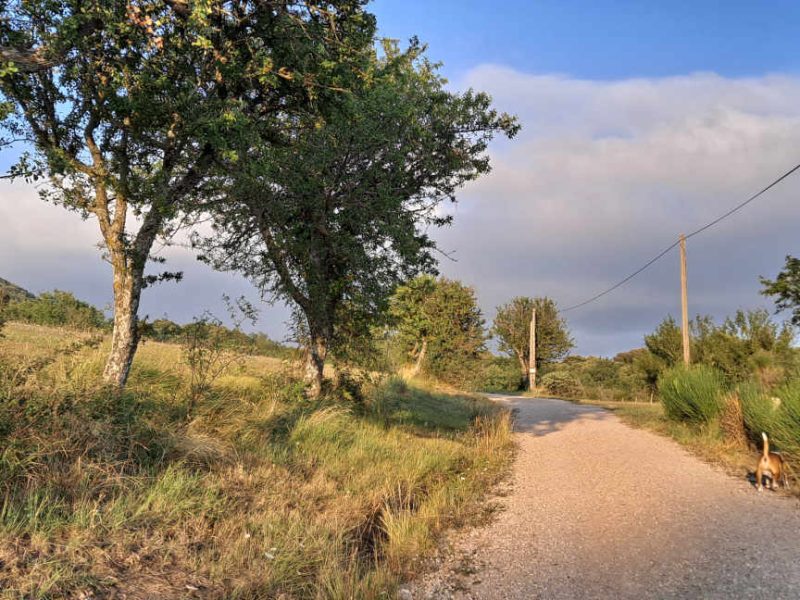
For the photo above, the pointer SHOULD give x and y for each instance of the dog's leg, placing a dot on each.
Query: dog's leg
(759, 478)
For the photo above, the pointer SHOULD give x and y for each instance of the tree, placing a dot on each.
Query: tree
(439, 326)
(512, 327)
(414, 319)
(128, 104)
(335, 220)
(666, 342)
(785, 288)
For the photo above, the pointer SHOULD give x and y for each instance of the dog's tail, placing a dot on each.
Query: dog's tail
(766, 444)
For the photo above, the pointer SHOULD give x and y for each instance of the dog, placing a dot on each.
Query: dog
(772, 465)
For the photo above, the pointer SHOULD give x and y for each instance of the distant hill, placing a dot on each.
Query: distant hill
(10, 292)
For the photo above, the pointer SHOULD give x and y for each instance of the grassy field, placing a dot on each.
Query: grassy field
(256, 492)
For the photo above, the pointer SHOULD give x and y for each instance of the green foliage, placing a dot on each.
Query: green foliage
(666, 342)
(693, 395)
(259, 344)
(512, 326)
(776, 413)
(562, 384)
(56, 308)
(745, 344)
(623, 378)
(11, 293)
(785, 288)
(439, 325)
(333, 221)
(497, 374)
(132, 107)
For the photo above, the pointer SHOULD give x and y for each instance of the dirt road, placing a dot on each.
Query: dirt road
(600, 510)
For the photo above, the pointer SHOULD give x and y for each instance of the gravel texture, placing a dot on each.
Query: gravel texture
(597, 509)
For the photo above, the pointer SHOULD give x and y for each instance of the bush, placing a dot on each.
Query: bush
(562, 383)
(498, 374)
(56, 308)
(776, 414)
(693, 395)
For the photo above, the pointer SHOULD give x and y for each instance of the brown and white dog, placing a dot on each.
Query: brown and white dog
(772, 465)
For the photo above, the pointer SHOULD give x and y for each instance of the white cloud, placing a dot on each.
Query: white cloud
(606, 174)
(603, 176)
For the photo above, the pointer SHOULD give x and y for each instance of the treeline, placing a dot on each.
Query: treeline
(434, 327)
(747, 346)
(62, 309)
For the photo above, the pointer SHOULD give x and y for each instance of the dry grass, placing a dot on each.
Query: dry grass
(259, 493)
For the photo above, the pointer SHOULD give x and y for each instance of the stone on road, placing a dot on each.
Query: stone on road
(601, 510)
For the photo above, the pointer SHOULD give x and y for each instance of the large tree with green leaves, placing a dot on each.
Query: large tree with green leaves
(128, 104)
(335, 220)
(439, 326)
(512, 328)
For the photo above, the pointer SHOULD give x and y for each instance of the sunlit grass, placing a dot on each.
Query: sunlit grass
(256, 493)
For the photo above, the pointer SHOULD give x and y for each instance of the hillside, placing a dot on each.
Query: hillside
(10, 292)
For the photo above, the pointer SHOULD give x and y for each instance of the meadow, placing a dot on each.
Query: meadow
(251, 490)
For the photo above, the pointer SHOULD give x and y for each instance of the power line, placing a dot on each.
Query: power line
(736, 208)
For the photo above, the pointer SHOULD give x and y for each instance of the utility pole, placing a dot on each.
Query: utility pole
(532, 353)
(684, 305)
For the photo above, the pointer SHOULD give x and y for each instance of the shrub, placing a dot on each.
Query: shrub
(56, 308)
(561, 383)
(693, 395)
(776, 414)
(498, 374)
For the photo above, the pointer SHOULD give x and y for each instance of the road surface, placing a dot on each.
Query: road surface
(597, 509)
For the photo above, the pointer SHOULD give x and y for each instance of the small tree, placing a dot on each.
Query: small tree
(785, 289)
(440, 327)
(210, 349)
(666, 342)
(413, 318)
(512, 327)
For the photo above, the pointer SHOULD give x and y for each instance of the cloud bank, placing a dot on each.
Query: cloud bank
(603, 176)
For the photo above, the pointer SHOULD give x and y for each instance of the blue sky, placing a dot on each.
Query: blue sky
(640, 120)
(602, 39)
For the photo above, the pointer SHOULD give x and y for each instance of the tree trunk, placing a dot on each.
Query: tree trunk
(315, 364)
(125, 335)
(524, 369)
(420, 359)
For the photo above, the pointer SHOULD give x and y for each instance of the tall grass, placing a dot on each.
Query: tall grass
(775, 413)
(693, 394)
(261, 494)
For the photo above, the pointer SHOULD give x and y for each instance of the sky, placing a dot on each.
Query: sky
(640, 121)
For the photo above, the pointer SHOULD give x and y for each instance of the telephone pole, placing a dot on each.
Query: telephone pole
(684, 305)
(532, 353)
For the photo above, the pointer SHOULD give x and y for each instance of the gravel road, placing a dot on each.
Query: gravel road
(597, 509)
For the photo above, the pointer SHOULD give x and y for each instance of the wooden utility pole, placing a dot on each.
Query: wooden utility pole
(532, 353)
(684, 305)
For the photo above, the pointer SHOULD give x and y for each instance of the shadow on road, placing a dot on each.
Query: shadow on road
(543, 416)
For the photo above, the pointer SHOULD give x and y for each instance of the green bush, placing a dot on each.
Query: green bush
(693, 394)
(562, 383)
(775, 413)
(498, 374)
(56, 308)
